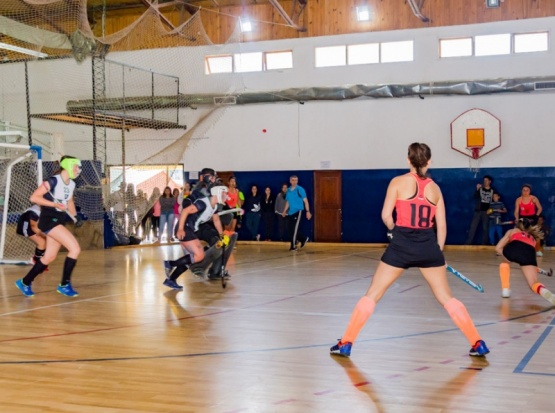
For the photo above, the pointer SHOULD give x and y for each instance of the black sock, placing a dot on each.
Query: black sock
(183, 261)
(180, 269)
(69, 265)
(33, 273)
(38, 253)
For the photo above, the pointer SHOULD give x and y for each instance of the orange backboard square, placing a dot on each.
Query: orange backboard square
(475, 138)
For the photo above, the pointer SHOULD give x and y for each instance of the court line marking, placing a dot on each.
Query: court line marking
(222, 312)
(532, 352)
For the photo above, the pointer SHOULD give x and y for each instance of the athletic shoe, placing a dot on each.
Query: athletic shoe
(506, 293)
(341, 349)
(304, 242)
(539, 254)
(172, 284)
(168, 269)
(293, 249)
(26, 290)
(479, 349)
(67, 290)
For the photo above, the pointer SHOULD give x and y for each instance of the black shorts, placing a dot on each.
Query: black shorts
(412, 248)
(51, 219)
(24, 226)
(207, 232)
(189, 235)
(520, 253)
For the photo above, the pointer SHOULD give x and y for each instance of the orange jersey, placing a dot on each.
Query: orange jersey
(232, 199)
(523, 236)
(416, 212)
(527, 210)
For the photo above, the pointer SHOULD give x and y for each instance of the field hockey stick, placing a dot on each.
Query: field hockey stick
(229, 211)
(477, 287)
(74, 219)
(544, 272)
(506, 223)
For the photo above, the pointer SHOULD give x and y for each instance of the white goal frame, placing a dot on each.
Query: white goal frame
(31, 149)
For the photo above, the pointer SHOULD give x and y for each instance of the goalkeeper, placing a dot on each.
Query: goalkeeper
(200, 211)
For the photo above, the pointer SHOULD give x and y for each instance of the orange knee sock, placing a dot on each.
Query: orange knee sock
(537, 288)
(505, 275)
(362, 312)
(461, 318)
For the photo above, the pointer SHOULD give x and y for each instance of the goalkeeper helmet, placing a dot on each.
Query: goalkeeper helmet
(71, 165)
(220, 192)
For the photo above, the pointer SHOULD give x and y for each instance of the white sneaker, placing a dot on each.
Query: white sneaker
(506, 293)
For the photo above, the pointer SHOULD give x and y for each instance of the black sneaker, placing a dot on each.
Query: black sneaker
(172, 284)
(304, 242)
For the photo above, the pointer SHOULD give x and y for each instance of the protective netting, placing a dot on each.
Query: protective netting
(124, 102)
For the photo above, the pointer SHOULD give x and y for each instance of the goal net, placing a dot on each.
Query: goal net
(20, 175)
(127, 97)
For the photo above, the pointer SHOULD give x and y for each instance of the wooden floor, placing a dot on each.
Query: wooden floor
(128, 344)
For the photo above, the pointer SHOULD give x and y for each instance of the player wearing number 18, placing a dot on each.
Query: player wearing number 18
(417, 200)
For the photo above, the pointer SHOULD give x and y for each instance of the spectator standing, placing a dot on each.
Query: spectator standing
(483, 197)
(267, 207)
(167, 202)
(280, 211)
(234, 200)
(527, 205)
(252, 213)
(495, 228)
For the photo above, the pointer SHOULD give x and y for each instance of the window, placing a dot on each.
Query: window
(218, 64)
(331, 56)
(530, 42)
(359, 54)
(397, 52)
(248, 62)
(455, 47)
(492, 45)
(278, 60)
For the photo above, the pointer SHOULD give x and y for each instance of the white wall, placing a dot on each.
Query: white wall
(359, 134)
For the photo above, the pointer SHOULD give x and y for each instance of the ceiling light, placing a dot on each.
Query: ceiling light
(363, 13)
(23, 50)
(492, 3)
(246, 25)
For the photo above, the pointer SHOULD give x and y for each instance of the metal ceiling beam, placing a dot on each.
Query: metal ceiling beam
(416, 10)
(163, 18)
(285, 16)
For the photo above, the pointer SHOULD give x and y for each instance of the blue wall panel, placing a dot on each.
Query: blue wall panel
(364, 192)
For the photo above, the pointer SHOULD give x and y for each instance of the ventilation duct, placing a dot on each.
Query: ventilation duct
(478, 87)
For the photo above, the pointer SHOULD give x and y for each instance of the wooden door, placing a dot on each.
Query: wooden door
(327, 206)
(224, 176)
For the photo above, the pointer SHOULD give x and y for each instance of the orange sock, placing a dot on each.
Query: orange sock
(461, 318)
(505, 275)
(362, 312)
(537, 288)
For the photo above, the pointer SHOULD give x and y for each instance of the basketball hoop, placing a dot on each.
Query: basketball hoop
(474, 159)
(475, 151)
(475, 133)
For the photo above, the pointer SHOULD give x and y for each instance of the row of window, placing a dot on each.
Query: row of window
(386, 52)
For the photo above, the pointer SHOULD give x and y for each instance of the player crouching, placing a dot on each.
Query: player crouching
(201, 211)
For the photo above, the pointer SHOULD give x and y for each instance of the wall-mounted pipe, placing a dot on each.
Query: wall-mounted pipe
(476, 87)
